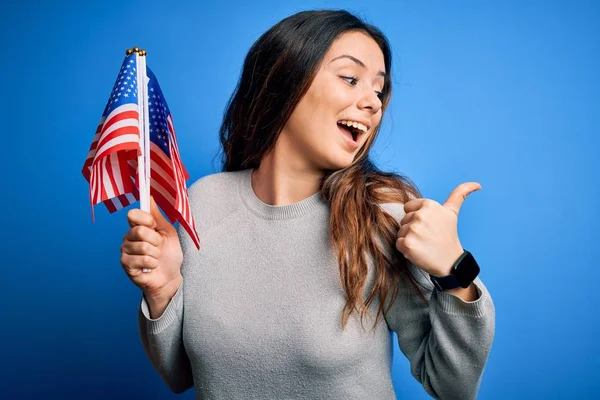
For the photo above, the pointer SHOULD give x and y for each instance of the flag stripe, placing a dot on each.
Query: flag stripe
(117, 131)
(124, 142)
(172, 129)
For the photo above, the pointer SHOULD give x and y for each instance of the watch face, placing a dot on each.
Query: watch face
(466, 270)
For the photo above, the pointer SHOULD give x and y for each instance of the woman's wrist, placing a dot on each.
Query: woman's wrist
(158, 302)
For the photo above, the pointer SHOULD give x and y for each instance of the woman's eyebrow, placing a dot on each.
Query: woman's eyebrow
(356, 60)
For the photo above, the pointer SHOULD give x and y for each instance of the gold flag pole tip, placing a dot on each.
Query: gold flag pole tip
(135, 50)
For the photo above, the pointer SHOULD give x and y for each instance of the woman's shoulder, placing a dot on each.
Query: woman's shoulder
(214, 196)
(395, 209)
(214, 184)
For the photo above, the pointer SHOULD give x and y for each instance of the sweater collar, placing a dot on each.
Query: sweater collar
(268, 211)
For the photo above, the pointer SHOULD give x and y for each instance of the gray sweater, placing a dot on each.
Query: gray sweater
(258, 313)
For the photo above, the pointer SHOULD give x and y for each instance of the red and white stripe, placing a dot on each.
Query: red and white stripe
(111, 164)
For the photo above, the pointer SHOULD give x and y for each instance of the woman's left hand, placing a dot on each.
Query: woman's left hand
(428, 235)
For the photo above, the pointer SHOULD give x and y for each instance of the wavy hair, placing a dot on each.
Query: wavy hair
(278, 70)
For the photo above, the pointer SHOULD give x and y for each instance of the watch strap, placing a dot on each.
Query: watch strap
(443, 283)
(452, 281)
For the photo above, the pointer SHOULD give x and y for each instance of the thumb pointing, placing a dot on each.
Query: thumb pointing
(459, 194)
(161, 222)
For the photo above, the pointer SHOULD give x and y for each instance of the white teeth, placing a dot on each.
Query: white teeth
(354, 124)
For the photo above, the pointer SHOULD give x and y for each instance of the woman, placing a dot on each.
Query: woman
(302, 236)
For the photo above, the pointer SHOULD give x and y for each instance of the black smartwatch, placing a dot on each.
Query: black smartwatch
(463, 272)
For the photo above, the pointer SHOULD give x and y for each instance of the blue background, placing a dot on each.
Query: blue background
(503, 93)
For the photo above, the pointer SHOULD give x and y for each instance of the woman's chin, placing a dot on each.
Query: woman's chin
(340, 161)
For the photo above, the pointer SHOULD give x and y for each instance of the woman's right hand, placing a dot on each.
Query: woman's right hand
(151, 256)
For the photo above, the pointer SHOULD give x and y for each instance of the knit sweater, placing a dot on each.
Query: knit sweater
(258, 312)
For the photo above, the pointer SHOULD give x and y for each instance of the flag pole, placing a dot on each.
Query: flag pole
(143, 182)
(145, 79)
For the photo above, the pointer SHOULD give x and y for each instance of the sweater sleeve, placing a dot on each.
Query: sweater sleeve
(162, 339)
(446, 339)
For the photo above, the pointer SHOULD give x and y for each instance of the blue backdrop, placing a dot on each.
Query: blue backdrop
(505, 94)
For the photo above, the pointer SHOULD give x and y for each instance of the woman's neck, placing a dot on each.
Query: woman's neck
(281, 182)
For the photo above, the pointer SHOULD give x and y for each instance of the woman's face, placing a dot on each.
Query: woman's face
(346, 90)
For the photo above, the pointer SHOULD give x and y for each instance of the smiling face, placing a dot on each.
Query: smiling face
(345, 91)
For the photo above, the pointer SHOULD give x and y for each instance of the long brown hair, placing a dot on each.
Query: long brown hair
(277, 72)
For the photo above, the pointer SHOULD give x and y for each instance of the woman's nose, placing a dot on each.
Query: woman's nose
(370, 101)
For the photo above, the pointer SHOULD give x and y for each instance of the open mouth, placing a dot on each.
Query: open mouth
(349, 131)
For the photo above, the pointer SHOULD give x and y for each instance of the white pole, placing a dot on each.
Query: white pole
(142, 104)
(146, 131)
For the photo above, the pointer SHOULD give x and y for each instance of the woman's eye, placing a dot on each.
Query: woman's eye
(351, 80)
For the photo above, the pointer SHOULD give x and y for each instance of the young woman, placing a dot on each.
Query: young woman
(303, 238)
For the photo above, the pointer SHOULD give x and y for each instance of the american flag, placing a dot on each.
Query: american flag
(111, 164)
(111, 167)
